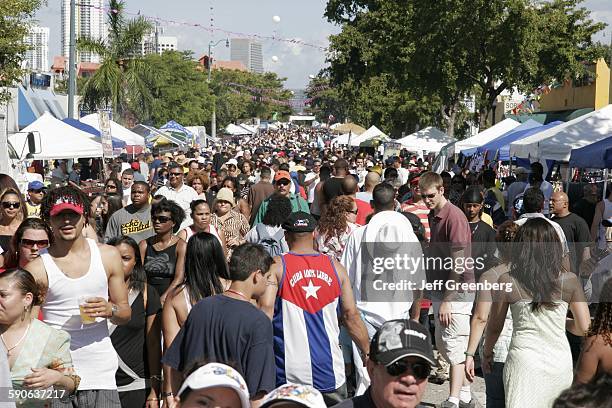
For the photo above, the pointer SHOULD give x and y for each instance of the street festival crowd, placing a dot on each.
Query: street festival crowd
(279, 271)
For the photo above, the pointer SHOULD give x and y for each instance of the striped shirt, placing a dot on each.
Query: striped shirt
(421, 211)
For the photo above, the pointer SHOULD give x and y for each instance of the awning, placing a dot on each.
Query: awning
(117, 143)
(594, 156)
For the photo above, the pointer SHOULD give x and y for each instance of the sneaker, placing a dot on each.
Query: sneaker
(447, 404)
(471, 404)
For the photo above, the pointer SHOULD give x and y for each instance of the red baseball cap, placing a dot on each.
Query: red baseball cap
(282, 174)
(135, 166)
(66, 203)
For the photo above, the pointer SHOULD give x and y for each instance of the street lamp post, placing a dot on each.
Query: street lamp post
(213, 121)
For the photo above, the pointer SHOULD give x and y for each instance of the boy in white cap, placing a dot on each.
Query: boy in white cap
(217, 384)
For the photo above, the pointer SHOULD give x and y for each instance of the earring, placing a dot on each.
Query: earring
(23, 315)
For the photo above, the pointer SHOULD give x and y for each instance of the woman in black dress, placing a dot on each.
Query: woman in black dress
(164, 253)
(137, 343)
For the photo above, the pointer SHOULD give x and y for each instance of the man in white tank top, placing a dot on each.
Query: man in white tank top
(75, 266)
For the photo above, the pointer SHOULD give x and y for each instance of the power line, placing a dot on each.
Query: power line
(212, 29)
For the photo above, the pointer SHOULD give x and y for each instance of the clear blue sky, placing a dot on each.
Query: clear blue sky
(299, 20)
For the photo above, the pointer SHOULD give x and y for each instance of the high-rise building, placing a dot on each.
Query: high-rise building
(163, 42)
(90, 23)
(38, 54)
(249, 52)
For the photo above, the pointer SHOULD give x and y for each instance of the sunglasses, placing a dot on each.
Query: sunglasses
(161, 219)
(354, 211)
(8, 204)
(430, 196)
(419, 370)
(283, 182)
(175, 174)
(29, 243)
(40, 190)
(111, 186)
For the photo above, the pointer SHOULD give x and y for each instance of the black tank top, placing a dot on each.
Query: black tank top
(160, 265)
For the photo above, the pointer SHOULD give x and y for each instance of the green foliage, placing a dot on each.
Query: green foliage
(234, 103)
(121, 81)
(414, 61)
(15, 20)
(179, 89)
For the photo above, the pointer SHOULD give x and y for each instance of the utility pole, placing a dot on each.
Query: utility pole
(213, 121)
(72, 60)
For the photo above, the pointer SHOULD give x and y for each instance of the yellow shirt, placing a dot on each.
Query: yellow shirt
(487, 218)
(33, 210)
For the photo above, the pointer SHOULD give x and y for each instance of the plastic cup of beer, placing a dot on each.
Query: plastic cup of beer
(85, 318)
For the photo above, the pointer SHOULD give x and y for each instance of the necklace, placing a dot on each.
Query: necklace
(476, 228)
(9, 349)
(242, 295)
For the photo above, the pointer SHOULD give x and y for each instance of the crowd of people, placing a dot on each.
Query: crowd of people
(247, 274)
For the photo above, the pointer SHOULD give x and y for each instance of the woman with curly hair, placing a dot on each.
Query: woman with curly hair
(596, 355)
(199, 181)
(279, 209)
(335, 225)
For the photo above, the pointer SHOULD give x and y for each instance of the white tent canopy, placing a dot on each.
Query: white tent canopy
(58, 140)
(486, 135)
(558, 142)
(371, 133)
(344, 139)
(236, 130)
(430, 139)
(117, 131)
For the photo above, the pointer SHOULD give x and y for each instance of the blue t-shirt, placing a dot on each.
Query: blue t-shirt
(155, 165)
(230, 331)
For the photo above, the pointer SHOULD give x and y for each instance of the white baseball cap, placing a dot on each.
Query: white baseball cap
(304, 395)
(217, 375)
(232, 161)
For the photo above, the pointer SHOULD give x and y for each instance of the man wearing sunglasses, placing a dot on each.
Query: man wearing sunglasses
(36, 192)
(400, 360)
(282, 185)
(451, 240)
(73, 266)
(178, 192)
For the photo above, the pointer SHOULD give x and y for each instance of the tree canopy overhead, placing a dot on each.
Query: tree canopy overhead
(121, 81)
(438, 53)
(15, 20)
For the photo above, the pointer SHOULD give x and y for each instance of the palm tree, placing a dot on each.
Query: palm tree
(121, 81)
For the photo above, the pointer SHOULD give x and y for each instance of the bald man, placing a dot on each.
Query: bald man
(350, 187)
(372, 179)
(575, 229)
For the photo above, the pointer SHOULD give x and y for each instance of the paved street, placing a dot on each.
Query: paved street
(437, 393)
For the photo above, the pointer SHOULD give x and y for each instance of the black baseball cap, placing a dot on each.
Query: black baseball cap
(300, 221)
(401, 338)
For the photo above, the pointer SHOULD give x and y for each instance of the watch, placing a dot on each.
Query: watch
(114, 309)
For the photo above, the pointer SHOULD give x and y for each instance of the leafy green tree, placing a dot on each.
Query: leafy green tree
(15, 20)
(505, 44)
(241, 95)
(440, 52)
(179, 89)
(121, 81)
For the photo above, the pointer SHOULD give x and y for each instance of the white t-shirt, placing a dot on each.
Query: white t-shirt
(557, 227)
(376, 312)
(404, 174)
(312, 186)
(547, 190)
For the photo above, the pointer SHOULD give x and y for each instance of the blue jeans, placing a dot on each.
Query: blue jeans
(494, 381)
